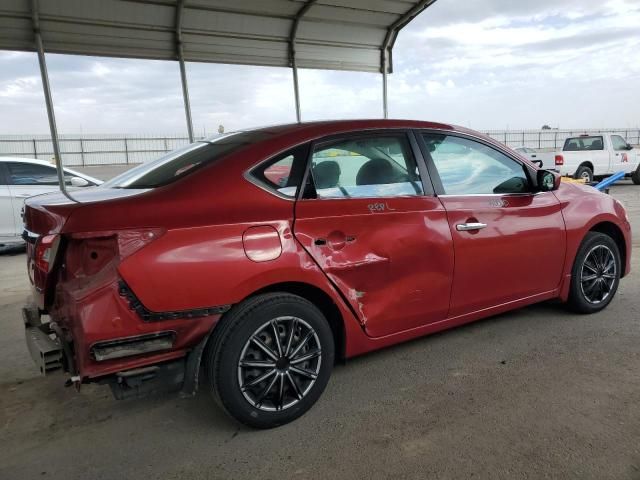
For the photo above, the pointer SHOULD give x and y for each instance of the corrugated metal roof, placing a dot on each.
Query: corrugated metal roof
(332, 34)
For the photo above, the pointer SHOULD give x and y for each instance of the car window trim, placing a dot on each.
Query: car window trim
(251, 178)
(435, 176)
(427, 188)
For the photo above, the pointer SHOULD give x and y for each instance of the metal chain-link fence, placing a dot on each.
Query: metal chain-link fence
(89, 150)
(553, 139)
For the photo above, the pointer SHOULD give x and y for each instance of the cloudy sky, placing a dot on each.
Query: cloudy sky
(487, 64)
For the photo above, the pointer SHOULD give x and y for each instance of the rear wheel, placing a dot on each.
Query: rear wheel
(270, 360)
(584, 173)
(596, 273)
(635, 176)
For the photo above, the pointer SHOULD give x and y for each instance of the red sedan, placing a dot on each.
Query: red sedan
(265, 256)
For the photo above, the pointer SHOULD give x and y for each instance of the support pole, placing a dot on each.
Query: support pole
(47, 97)
(389, 40)
(292, 53)
(183, 70)
(296, 90)
(385, 111)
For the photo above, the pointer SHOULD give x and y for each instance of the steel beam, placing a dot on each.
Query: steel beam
(183, 70)
(35, 18)
(292, 53)
(389, 40)
(385, 59)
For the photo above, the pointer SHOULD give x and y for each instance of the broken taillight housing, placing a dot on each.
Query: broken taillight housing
(90, 252)
(128, 241)
(45, 252)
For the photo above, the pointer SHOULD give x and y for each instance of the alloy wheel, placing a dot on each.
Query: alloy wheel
(598, 274)
(279, 363)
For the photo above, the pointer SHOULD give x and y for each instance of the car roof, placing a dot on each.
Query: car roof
(325, 127)
(27, 160)
(308, 131)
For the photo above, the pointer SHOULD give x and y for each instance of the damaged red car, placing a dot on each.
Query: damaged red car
(261, 258)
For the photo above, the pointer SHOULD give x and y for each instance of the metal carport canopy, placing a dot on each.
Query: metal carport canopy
(356, 35)
(332, 34)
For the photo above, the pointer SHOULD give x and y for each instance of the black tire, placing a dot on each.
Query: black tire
(635, 176)
(293, 393)
(584, 172)
(584, 292)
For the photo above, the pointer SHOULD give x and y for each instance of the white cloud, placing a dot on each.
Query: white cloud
(483, 63)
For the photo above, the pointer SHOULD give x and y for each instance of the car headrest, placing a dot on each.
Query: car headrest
(596, 145)
(375, 172)
(326, 174)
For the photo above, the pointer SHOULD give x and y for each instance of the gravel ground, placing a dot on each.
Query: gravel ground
(535, 393)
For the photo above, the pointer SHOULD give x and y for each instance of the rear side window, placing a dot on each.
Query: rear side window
(185, 160)
(365, 167)
(33, 174)
(283, 173)
(579, 144)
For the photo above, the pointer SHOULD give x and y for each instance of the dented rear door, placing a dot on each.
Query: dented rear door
(383, 242)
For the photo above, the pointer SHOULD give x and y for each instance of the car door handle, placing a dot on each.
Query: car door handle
(465, 227)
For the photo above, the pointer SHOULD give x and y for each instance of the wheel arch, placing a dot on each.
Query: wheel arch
(322, 301)
(588, 164)
(612, 230)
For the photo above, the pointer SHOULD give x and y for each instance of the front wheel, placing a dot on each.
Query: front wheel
(270, 360)
(596, 273)
(635, 176)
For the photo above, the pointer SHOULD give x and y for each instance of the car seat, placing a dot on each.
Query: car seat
(375, 172)
(326, 174)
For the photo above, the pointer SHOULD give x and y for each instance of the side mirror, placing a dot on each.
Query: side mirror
(629, 147)
(79, 182)
(548, 181)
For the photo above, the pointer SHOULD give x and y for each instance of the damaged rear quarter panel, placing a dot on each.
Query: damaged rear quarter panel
(89, 305)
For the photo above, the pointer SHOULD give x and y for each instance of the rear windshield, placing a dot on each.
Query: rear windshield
(185, 160)
(578, 144)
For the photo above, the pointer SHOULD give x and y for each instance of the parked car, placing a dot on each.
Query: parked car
(213, 256)
(21, 178)
(541, 159)
(589, 156)
(530, 153)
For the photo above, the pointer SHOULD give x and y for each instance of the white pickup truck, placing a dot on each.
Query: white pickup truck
(589, 156)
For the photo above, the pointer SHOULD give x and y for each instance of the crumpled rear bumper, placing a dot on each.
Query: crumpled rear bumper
(45, 348)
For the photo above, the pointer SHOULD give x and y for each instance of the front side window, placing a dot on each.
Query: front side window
(579, 144)
(467, 167)
(33, 174)
(363, 167)
(618, 142)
